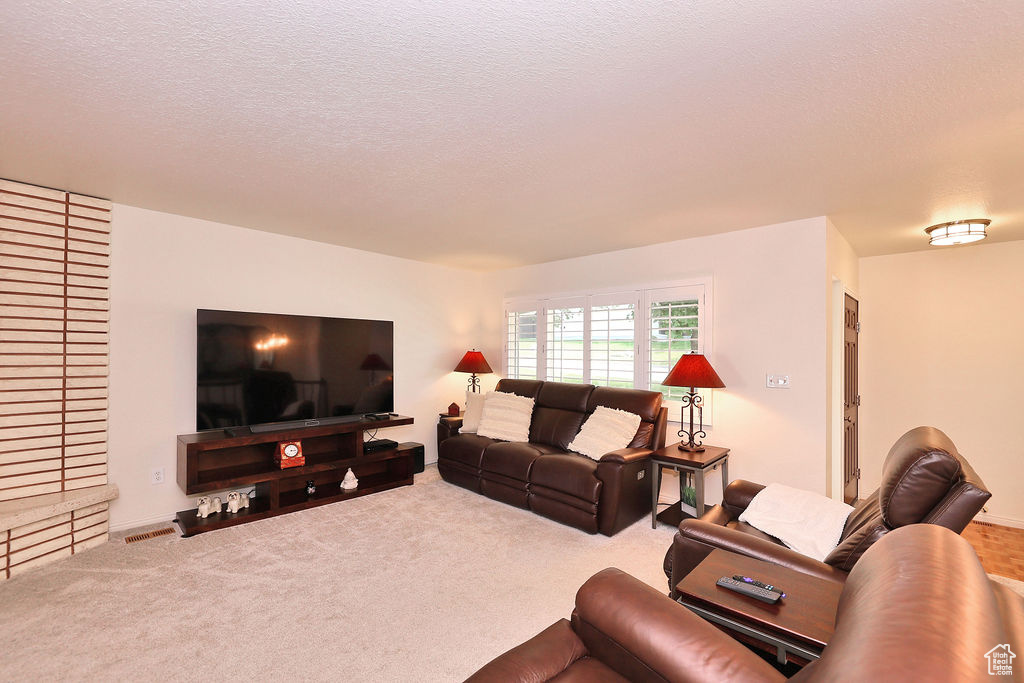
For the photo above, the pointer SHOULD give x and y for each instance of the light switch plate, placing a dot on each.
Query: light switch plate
(777, 381)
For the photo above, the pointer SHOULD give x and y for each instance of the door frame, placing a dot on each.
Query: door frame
(835, 417)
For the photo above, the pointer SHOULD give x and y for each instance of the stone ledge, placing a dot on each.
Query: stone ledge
(15, 513)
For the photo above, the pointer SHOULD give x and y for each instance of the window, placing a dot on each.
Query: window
(615, 338)
(673, 326)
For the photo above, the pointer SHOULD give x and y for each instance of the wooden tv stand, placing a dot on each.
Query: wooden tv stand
(211, 461)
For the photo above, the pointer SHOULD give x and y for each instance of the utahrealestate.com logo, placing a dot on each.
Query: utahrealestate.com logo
(1000, 660)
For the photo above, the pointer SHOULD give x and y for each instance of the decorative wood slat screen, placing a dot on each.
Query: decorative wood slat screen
(54, 327)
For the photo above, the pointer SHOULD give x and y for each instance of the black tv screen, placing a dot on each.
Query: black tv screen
(259, 368)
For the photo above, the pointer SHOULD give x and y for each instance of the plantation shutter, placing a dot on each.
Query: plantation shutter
(613, 334)
(54, 326)
(521, 350)
(564, 346)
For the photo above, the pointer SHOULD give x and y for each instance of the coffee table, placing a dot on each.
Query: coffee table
(797, 628)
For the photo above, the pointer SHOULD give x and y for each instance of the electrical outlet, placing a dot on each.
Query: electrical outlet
(777, 381)
(157, 476)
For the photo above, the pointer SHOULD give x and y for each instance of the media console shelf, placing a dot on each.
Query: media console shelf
(210, 461)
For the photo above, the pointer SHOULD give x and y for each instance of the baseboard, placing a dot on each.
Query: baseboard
(135, 523)
(1001, 521)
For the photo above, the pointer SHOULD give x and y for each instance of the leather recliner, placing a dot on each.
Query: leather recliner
(541, 475)
(897, 620)
(924, 479)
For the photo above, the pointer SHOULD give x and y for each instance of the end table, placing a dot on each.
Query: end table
(696, 463)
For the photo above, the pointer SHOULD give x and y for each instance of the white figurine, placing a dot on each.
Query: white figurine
(245, 500)
(234, 502)
(204, 507)
(349, 483)
(216, 506)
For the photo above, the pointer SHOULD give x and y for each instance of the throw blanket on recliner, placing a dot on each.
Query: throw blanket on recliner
(807, 522)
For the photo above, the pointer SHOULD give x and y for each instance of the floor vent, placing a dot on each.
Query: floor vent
(974, 521)
(148, 535)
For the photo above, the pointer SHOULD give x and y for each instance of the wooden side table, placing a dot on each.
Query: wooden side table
(797, 628)
(698, 463)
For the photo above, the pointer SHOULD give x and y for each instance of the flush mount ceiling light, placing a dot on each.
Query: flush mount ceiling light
(957, 232)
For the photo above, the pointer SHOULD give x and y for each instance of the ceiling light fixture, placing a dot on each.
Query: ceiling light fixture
(957, 232)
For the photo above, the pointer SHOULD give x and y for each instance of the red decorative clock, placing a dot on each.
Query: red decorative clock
(289, 454)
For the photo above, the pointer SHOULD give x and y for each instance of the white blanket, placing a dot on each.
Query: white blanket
(807, 522)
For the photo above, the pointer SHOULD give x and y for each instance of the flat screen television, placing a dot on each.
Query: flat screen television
(278, 370)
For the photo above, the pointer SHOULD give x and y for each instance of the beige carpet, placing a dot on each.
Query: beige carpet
(422, 583)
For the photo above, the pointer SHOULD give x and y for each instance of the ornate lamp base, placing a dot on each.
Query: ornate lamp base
(690, 444)
(474, 383)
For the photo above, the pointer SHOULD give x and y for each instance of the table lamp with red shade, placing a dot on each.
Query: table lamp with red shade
(693, 370)
(474, 363)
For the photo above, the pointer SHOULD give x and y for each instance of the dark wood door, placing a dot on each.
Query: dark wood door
(851, 401)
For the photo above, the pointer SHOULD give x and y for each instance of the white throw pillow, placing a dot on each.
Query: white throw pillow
(605, 431)
(506, 417)
(474, 409)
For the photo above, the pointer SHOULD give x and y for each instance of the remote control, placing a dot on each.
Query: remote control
(755, 582)
(743, 588)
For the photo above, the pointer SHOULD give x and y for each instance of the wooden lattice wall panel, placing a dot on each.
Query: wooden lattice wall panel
(54, 328)
(32, 545)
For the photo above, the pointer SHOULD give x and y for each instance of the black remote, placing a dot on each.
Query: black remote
(744, 588)
(755, 582)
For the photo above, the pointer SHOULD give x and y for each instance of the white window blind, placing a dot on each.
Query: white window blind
(521, 349)
(613, 347)
(564, 340)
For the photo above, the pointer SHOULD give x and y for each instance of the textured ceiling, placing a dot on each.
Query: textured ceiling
(485, 133)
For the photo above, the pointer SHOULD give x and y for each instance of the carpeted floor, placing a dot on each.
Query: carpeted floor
(422, 583)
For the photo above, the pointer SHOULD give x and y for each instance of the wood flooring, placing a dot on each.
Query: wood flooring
(1001, 548)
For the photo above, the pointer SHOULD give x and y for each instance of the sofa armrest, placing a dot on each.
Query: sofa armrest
(697, 538)
(624, 455)
(625, 489)
(447, 427)
(738, 494)
(541, 658)
(634, 629)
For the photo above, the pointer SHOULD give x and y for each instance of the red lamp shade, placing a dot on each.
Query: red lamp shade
(473, 362)
(693, 370)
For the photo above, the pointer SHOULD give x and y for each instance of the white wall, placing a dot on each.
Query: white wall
(165, 266)
(769, 317)
(941, 344)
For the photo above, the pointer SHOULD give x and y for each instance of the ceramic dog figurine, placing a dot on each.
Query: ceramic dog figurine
(204, 507)
(234, 502)
(245, 500)
(216, 506)
(349, 483)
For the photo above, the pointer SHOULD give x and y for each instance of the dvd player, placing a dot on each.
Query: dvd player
(378, 445)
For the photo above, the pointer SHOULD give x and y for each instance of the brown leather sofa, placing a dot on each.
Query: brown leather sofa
(602, 496)
(917, 607)
(924, 479)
